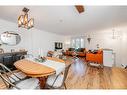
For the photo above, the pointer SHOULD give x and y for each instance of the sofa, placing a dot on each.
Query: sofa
(95, 56)
(69, 51)
(81, 52)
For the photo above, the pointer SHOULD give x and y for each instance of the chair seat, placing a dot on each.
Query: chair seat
(58, 82)
(18, 74)
(31, 83)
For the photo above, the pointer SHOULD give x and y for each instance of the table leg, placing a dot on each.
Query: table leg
(42, 82)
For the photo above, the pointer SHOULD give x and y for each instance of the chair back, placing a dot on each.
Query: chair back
(50, 53)
(26, 56)
(64, 76)
(66, 72)
(5, 76)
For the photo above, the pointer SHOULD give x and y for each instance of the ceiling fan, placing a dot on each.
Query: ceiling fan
(80, 8)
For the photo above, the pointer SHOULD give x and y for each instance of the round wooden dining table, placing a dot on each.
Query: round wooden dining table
(32, 69)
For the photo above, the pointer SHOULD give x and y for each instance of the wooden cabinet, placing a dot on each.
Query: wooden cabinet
(8, 59)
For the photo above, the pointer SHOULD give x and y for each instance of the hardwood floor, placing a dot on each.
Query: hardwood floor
(82, 76)
(2, 84)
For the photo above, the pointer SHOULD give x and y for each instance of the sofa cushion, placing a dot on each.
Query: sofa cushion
(80, 49)
(71, 49)
(93, 51)
(100, 51)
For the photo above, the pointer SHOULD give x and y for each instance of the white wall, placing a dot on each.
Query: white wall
(32, 40)
(104, 39)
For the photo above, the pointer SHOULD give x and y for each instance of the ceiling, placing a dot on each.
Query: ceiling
(66, 20)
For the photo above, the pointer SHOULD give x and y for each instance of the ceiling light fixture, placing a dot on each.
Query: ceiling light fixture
(23, 20)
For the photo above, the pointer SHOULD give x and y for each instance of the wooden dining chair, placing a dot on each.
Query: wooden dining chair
(26, 56)
(58, 81)
(13, 81)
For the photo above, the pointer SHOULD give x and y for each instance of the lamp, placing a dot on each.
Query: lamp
(23, 20)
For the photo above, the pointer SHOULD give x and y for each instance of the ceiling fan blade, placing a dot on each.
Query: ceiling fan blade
(80, 8)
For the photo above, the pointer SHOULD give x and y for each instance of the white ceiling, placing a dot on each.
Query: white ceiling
(66, 20)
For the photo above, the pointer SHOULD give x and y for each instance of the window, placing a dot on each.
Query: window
(78, 42)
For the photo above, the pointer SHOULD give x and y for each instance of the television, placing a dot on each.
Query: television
(58, 45)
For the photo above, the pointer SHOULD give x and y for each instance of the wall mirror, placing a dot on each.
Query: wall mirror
(10, 38)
